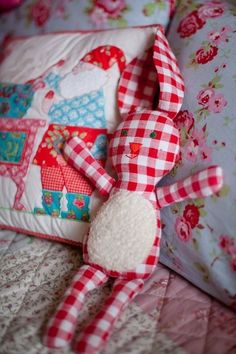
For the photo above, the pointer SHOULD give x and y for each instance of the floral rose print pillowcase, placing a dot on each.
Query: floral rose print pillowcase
(45, 16)
(199, 237)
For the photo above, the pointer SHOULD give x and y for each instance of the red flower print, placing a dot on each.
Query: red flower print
(211, 10)
(226, 242)
(195, 145)
(184, 119)
(98, 16)
(204, 55)
(71, 215)
(217, 103)
(191, 214)
(206, 153)
(204, 96)
(79, 203)
(216, 37)
(4, 108)
(48, 199)
(183, 228)
(232, 250)
(190, 24)
(40, 12)
(191, 151)
(233, 264)
(112, 7)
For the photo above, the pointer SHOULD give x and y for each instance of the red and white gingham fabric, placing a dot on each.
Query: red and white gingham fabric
(78, 156)
(52, 178)
(95, 334)
(143, 149)
(61, 327)
(200, 185)
(169, 77)
(157, 141)
(138, 83)
(56, 177)
(75, 182)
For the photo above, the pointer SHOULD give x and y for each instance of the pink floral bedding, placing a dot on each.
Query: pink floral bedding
(199, 238)
(170, 316)
(45, 16)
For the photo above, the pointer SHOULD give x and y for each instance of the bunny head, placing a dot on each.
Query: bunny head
(145, 145)
(143, 149)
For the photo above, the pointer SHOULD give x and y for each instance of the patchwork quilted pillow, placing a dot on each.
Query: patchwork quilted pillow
(199, 238)
(53, 87)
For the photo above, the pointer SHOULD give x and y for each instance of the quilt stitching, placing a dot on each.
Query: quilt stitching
(25, 294)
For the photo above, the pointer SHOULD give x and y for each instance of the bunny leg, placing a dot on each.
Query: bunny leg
(96, 334)
(62, 325)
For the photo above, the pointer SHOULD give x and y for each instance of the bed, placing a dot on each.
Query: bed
(188, 304)
(170, 316)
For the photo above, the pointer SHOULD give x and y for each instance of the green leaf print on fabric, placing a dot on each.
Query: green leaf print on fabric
(12, 146)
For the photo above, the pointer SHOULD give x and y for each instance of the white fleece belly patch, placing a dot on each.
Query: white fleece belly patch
(123, 232)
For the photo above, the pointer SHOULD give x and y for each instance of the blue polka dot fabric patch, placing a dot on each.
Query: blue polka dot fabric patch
(86, 110)
(99, 149)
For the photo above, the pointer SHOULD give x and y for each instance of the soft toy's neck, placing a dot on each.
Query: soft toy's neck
(147, 191)
(134, 186)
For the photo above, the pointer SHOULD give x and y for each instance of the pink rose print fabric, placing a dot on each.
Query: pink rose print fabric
(45, 16)
(199, 238)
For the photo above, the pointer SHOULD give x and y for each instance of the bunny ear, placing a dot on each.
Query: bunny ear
(142, 77)
(169, 77)
(138, 84)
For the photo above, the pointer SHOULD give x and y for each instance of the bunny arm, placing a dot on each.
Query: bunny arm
(78, 155)
(200, 185)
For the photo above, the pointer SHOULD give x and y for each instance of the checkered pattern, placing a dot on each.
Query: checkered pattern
(78, 156)
(96, 334)
(170, 80)
(140, 79)
(54, 178)
(200, 185)
(62, 325)
(157, 141)
(143, 149)
(76, 182)
(138, 84)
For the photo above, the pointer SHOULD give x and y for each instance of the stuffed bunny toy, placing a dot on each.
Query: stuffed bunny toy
(124, 237)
